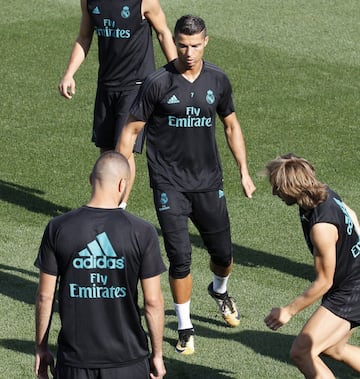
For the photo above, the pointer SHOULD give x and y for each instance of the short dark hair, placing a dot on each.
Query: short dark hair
(190, 25)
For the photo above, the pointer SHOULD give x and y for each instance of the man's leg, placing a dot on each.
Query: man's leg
(323, 333)
(181, 290)
(346, 353)
(214, 226)
(122, 103)
(220, 271)
(130, 182)
(218, 291)
(173, 209)
(221, 276)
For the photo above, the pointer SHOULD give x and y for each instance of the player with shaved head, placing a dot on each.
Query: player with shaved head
(98, 254)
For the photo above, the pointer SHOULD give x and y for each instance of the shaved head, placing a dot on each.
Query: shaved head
(109, 169)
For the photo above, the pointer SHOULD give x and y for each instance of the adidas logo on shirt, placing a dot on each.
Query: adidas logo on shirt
(99, 254)
(173, 100)
(96, 10)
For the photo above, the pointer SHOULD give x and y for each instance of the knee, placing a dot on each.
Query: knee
(334, 352)
(179, 262)
(300, 350)
(222, 261)
(179, 270)
(296, 355)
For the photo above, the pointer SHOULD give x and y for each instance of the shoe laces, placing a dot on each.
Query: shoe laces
(227, 303)
(184, 337)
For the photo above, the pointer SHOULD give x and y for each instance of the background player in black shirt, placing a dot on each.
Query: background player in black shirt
(179, 103)
(331, 230)
(126, 57)
(99, 253)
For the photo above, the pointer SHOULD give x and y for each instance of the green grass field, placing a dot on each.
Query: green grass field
(295, 70)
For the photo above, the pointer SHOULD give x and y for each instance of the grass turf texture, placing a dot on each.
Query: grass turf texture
(294, 66)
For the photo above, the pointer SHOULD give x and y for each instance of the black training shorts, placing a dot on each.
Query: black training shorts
(139, 370)
(208, 212)
(110, 115)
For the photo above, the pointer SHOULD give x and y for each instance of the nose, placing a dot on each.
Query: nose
(189, 51)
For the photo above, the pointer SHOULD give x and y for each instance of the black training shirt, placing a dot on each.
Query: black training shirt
(125, 46)
(181, 138)
(99, 256)
(345, 291)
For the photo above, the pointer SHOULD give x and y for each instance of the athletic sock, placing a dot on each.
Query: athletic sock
(220, 283)
(183, 315)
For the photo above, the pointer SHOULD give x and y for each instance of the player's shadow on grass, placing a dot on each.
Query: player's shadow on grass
(277, 346)
(21, 346)
(15, 286)
(29, 198)
(254, 258)
(181, 368)
(176, 369)
(216, 322)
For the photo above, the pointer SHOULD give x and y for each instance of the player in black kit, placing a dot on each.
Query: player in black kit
(179, 103)
(331, 230)
(99, 253)
(126, 57)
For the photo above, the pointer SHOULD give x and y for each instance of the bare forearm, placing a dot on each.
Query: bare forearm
(323, 237)
(83, 42)
(167, 45)
(154, 315)
(282, 315)
(236, 144)
(126, 141)
(154, 13)
(308, 297)
(79, 52)
(43, 316)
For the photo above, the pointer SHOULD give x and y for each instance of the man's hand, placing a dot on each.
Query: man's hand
(43, 361)
(277, 318)
(248, 186)
(157, 368)
(67, 87)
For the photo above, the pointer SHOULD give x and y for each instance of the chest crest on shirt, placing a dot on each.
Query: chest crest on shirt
(210, 97)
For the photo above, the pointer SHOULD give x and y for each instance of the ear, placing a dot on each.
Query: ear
(122, 186)
(91, 179)
(206, 40)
